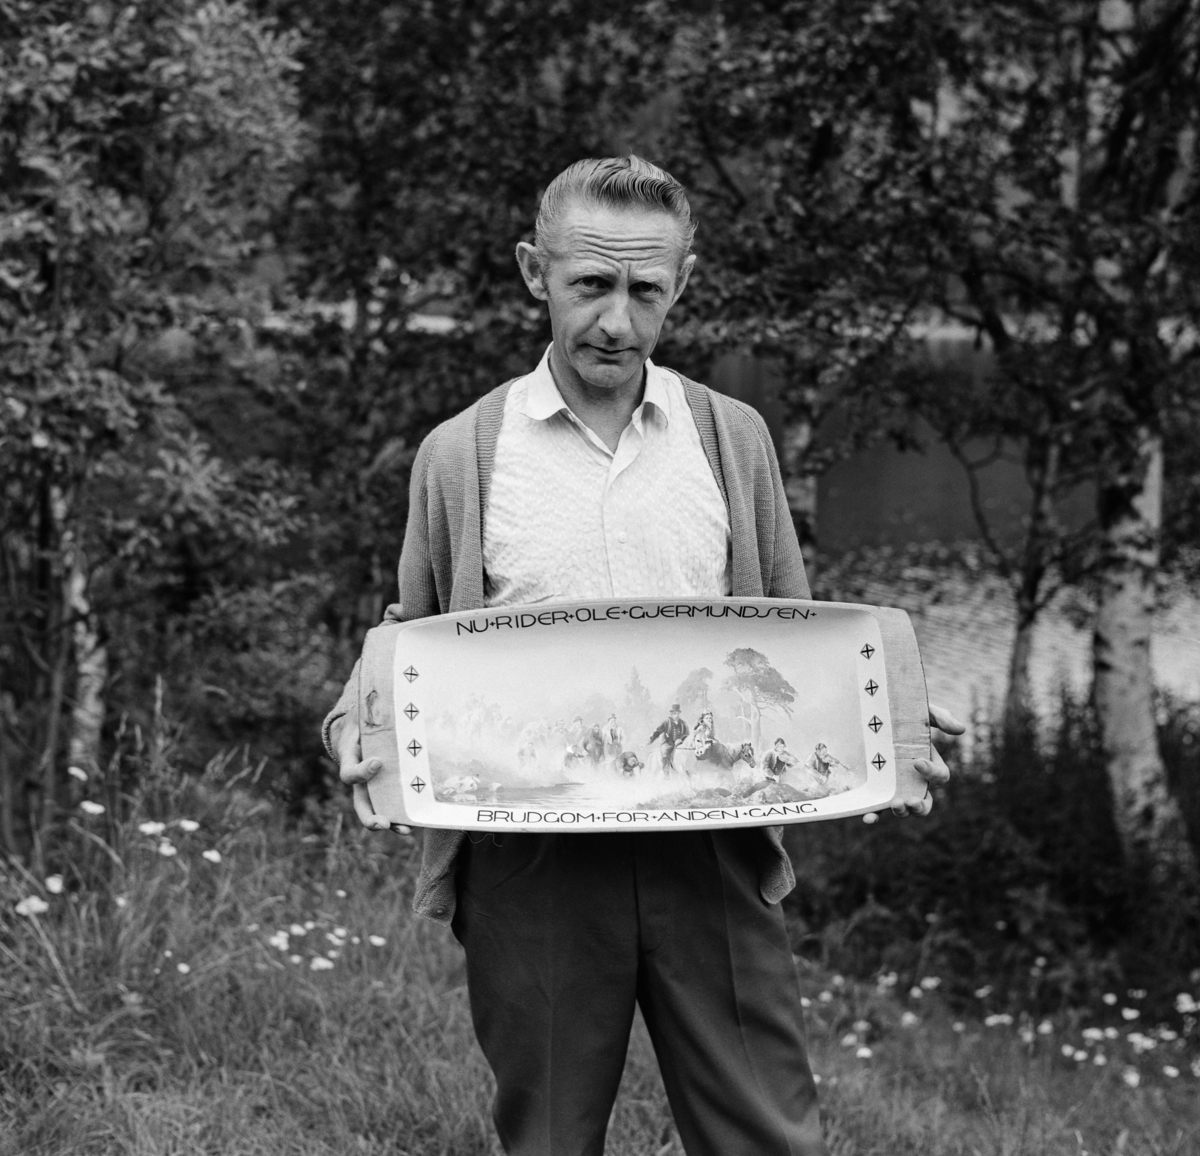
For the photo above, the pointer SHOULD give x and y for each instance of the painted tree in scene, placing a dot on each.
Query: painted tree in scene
(759, 687)
(693, 691)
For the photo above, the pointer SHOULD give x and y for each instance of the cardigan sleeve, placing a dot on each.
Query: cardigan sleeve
(418, 596)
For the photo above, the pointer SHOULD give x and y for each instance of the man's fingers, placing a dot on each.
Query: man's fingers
(941, 718)
(362, 772)
(365, 812)
(914, 806)
(933, 770)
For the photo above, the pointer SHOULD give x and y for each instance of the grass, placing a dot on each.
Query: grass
(155, 1008)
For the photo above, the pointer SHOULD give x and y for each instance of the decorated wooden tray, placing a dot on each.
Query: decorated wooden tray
(644, 715)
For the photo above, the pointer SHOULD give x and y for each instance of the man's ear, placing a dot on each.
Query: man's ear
(531, 270)
(681, 279)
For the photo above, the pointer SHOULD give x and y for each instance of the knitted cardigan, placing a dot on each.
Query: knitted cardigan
(441, 566)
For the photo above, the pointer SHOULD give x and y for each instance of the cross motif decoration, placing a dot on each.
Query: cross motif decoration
(876, 723)
(871, 687)
(411, 711)
(878, 762)
(418, 784)
(413, 748)
(410, 673)
(867, 650)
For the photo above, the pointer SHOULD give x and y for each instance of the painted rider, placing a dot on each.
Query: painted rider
(704, 734)
(672, 730)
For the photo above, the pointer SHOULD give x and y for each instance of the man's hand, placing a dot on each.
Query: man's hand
(358, 772)
(933, 770)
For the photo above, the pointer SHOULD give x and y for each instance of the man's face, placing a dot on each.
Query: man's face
(609, 283)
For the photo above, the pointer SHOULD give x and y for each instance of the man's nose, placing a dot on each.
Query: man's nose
(615, 319)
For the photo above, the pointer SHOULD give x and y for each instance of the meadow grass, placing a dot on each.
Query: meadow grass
(167, 1003)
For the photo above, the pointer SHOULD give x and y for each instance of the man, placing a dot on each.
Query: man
(672, 730)
(777, 760)
(601, 475)
(614, 741)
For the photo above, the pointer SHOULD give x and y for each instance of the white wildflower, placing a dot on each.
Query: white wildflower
(804, 1000)
(1045, 1028)
(983, 992)
(121, 902)
(54, 884)
(152, 827)
(188, 825)
(340, 932)
(309, 925)
(333, 953)
(167, 849)
(862, 1026)
(915, 992)
(824, 997)
(340, 893)
(376, 940)
(909, 1019)
(1111, 1034)
(320, 963)
(1167, 1035)
(279, 940)
(355, 939)
(1027, 1035)
(1040, 961)
(1195, 1065)
(168, 953)
(1110, 998)
(1099, 1059)
(33, 905)
(863, 1053)
(297, 929)
(1137, 993)
(1079, 1055)
(212, 855)
(251, 926)
(958, 1026)
(335, 940)
(1141, 1043)
(1185, 1004)
(1170, 1071)
(295, 959)
(90, 808)
(1132, 1077)
(1001, 1019)
(849, 1039)
(870, 817)
(1068, 1050)
(931, 983)
(1093, 1035)
(78, 773)
(183, 968)
(1130, 1013)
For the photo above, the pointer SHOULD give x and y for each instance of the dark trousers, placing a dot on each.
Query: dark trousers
(565, 933)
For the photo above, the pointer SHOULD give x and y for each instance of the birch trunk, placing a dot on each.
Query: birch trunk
(1148, 818)
(91, 675)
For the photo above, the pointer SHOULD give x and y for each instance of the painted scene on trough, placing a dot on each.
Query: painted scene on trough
(635, 713)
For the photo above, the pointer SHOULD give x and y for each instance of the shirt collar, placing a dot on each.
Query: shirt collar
(543, 400)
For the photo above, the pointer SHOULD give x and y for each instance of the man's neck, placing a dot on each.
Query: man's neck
(606, 412)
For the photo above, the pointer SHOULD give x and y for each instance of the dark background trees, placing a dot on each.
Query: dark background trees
(250, 253)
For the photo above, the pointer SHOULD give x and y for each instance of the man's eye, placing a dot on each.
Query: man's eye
(593, 282)
(647, 289)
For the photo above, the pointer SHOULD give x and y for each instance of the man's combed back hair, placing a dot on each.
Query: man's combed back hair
(615, 182)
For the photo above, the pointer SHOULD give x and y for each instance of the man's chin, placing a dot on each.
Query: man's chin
(608, 373)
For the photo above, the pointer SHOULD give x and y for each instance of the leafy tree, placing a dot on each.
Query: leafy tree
(760, 687)
(142, 148)
(1029, 170)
